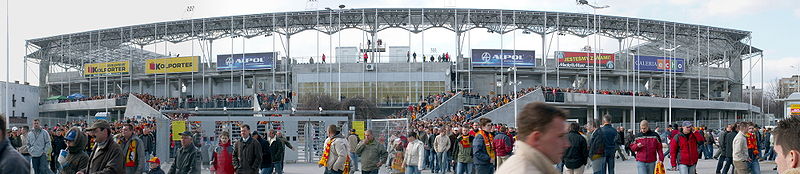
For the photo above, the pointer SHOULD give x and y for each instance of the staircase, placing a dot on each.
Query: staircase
(452, 105)
(505, 114)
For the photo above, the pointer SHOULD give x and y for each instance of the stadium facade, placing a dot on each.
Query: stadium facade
(700, 67)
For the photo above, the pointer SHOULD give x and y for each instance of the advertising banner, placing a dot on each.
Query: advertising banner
(794, 109)
(494, 57)
(660, 64)
(177, 128)
(106, 69)
(247, 61)
(172, 65)
(359, 127)
(583, 60)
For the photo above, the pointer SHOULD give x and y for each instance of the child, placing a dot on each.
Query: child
(155, 166)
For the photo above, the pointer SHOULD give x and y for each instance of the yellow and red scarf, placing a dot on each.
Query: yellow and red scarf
(465, 143)
(130, 155)
(487, 141)
(325, 154)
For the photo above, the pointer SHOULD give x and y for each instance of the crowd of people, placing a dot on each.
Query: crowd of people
(554, 90)
(424, 106)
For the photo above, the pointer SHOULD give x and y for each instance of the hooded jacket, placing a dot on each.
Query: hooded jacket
(651, 147)
(77, 158)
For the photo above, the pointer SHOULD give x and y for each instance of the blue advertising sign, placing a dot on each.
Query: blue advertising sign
(660, 64)
(493, 57)
(247, 61)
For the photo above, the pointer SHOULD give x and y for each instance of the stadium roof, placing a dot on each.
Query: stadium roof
(122, 43)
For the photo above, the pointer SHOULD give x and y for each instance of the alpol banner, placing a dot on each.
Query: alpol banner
(584, 60)
(493, 57)
(247, 61)
(106, 69)
(653, 63)
(172, 65)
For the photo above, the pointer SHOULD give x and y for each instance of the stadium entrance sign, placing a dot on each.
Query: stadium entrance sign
(660, 64)
(582, 60)
(172, 65)
(494, 57)
(106, 69)
(247, 61)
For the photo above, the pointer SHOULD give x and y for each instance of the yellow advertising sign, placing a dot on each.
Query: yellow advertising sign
(172, 65)
(177, 128)
(794, 109)
(106, 69)
(359, 127)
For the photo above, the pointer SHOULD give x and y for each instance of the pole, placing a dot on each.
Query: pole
(8, 62)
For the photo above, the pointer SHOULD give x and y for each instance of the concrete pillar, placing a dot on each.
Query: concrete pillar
(590, 114)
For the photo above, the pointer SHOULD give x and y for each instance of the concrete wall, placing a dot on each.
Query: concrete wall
(81, 105)
(23, 100)
(654, 102)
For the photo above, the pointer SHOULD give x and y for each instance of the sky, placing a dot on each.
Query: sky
(772, 23)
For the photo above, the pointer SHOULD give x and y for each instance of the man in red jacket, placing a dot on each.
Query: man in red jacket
(647, 147)
(684, 149)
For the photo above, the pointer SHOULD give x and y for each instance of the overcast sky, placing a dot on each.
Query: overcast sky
(773, 23)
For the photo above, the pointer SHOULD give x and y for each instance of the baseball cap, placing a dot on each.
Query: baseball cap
(186, 133)
(687, 124)
(154, 160)
(14, 128)
(71, 135)
(99, 124)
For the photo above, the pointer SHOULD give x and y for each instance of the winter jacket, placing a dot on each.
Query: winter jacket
(739, 148)
(134, 156)
(155, 171)
(414, 153)
(608, 137)
(479, 153)
(222, 158)
(596, 144)
(352, 141)
(11, 161)
(441, 143)
(576, 155)
(38, 142)
(247, 156)
(77, 158)
(726, 144)
(527, 160)
(148, 140)
(266, 154)
(277, 149)
(371, 154)
(338, 154)
(502, 144)
(685, 148)
(464, 149)
(106, 159)
(650, 149)
(187, 161)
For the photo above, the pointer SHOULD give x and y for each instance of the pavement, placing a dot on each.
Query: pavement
(622, 167)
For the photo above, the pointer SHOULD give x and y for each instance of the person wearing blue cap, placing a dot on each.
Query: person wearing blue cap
(76, 158)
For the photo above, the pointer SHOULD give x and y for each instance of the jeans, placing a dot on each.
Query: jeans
(483, 169)
(645, 168)
(597, 166)
(754, 167)
(413, 170)
(40, 165)
(579, 170)
(463, 168)
(724, 164)
(278, 167)
(709, 151)
(560, 167)
(370, 172)
(770, 153)
(266, 171)
(444, 162)
(684, 169)
(354, 160)
(609, 164)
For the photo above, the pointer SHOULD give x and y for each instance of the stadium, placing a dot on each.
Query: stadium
(661, 71)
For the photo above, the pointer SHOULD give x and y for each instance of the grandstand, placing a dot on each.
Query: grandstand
(662, 71)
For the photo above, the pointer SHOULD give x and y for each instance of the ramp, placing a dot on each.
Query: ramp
(505, 114)
(450, 106)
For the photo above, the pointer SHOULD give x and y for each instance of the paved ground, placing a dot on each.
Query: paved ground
(622, 167)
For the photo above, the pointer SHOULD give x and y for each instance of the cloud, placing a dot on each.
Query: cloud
(797, 12)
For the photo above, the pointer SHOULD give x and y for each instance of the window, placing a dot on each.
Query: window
(23, 99)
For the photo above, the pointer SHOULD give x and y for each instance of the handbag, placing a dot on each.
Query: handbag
(660, 168)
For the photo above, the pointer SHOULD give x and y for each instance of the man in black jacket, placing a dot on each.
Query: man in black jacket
(276, 149)
(726, 149)
(576, 155)
(266, 154)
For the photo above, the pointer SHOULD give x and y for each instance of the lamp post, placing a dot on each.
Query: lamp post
(594, 67)
(671, 71)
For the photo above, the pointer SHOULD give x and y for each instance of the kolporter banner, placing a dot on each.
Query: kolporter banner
(172, 65)
(660, 64)
(493, 57)
(247, 61)
(584, 60)
(106, 69)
